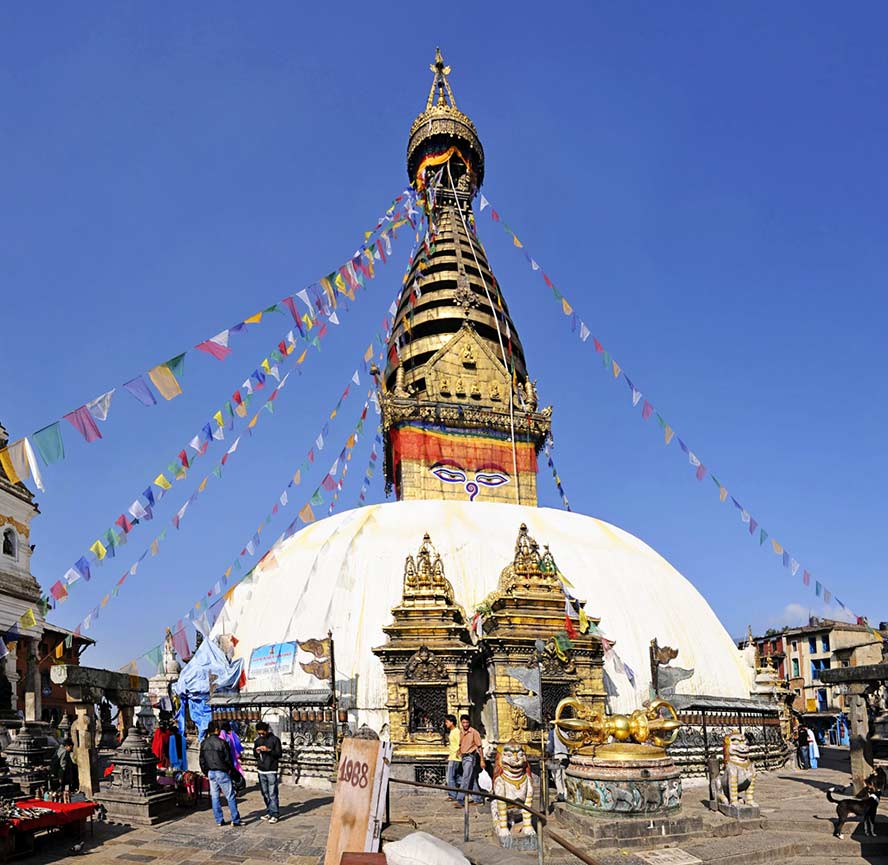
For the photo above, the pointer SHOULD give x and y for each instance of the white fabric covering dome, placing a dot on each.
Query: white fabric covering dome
(345, 572)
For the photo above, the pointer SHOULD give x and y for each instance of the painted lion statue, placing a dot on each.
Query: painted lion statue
(736, 784)
(512, 780)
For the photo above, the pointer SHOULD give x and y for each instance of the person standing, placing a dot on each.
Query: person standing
(234, 743)
(267, 749)
(803, 751)
(453, 761)
(64, 769)
(472, 759)
(813, 749)
(216, 764)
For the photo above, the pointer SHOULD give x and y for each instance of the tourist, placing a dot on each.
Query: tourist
(453, 762)
(267, 749)
(803, 751)
(64, 769)
(813, 749)
(472, 759)
(216, 764)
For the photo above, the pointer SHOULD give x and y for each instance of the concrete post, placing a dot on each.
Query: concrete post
(83, 732)
(33, 696)
(861, 749)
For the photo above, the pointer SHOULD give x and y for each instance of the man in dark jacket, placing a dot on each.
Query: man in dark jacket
(267, 748)
(215, 763)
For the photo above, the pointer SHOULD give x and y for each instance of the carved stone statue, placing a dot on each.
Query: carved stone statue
(425, 667)
(444, 387)
(468, 356)
(495, 392)
(530, 395)
(476, 392)
(460, 387)
(512, 779)
(736, 784)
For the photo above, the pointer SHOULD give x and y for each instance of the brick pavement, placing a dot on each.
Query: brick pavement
(797, 830)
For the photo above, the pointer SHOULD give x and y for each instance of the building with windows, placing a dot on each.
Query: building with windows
(801, 654)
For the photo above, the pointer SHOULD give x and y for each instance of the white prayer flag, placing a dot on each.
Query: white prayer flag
(99, 406)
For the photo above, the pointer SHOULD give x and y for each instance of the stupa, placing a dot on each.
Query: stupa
(421, 634)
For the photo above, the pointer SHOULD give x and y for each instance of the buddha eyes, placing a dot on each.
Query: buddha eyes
(491, 479)
(449, 475)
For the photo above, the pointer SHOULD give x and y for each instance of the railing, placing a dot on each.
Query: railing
(541, 818)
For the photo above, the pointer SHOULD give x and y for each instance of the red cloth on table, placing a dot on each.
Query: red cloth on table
(60, 814)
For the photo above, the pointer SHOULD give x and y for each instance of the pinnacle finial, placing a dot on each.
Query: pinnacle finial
(440, 83)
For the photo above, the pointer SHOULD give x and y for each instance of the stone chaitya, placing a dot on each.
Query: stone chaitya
(425, 659)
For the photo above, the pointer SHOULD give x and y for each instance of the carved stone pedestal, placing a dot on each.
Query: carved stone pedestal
(602, 787)
(133, 796)
(28, 757)
(740, 812)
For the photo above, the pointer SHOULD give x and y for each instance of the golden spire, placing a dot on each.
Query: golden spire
(440, 82)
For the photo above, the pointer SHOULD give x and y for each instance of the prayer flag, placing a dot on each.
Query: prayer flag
(647, 410)
(100, 406)
(82, 566)
(785, 559)
(668, 433)
(794, 566)
(484, 203)
(162, 482)
(806, 578)
(217, 345)
(254, 319)
(58, 591)
(763, 536)
(316, 497)
(28, 619)
(818, 589)
(138, 387)
(99, 550)
(164, 379)
(15, 461)
(124, 523)
(306, 514)
(84, 423)
(566, 307)
(778, 550)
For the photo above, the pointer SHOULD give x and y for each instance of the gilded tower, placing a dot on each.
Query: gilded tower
(460, 413)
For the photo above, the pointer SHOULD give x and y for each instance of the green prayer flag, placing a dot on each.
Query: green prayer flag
(176, 366)
(273, 308)
(317, 498)
(763, 535)
(237, 564)
(217, 470)
(155, 656)
(276, 355)
(49, 443)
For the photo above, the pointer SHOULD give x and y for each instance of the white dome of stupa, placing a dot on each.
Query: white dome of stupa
(345, 573)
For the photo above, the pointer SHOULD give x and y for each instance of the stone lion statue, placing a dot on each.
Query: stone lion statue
(512, 780)
(736, 784)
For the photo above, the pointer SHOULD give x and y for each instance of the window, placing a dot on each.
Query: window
(773, 646)
(824, 643)
(812, 644)
(795, 645)
(10, 543)
(428, 706)
(817, 665)
(795, 666)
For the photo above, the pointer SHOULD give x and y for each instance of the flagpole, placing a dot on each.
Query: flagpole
(335, 704)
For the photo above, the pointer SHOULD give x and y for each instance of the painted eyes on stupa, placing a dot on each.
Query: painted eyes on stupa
(449, 475)
(491, 479)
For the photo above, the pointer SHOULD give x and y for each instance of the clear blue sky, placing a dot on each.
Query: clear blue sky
(704, 182)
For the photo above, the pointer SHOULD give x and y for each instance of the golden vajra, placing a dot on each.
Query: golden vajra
(656, 724)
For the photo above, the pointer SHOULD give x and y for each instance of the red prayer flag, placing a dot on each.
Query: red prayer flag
(124, 523)
(569, 628)
(82, 420)
(183, 458)
(647, 411)
(598, 346)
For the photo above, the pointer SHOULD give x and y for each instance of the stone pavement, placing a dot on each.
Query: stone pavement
(797, 829)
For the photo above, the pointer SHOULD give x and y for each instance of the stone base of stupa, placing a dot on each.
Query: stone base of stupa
(138, 810)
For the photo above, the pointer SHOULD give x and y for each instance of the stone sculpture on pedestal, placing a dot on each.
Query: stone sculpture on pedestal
(512, 779)
(735, 787)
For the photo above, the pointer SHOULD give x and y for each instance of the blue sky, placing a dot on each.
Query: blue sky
(704, 183)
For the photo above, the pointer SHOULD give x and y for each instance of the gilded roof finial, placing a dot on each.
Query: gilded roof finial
(440, 82)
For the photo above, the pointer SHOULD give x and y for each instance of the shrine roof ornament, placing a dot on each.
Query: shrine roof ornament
(424, 576)
(442, 125)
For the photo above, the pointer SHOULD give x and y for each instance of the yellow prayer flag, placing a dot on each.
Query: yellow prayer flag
(517, 242)
(778, 549)
(240, 410)
(164, 381)
(203, 484)
(308, 321)
(307, 514)
(218, 418)
(254, 319)
(162, 482)
(333, 414)
(722, 493)
(253, 420)
(351, 441)
(28, 620)
(668, 432)
(368, 355)
(155, 547)
(105, 601)
(297, 478)
(99, 549)
(266, 365)
(302, 356)
(616, 369)
(227, 572)
(59, 649)
(367, 235)
(339, 282)
(568, 309)
(6, 462)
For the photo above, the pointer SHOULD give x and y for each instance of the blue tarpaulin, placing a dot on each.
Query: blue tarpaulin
(208, 670)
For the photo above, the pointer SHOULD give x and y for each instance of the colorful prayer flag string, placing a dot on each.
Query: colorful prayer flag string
(583, 332)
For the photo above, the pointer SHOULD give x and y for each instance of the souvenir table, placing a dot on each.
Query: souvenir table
(20, 821)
